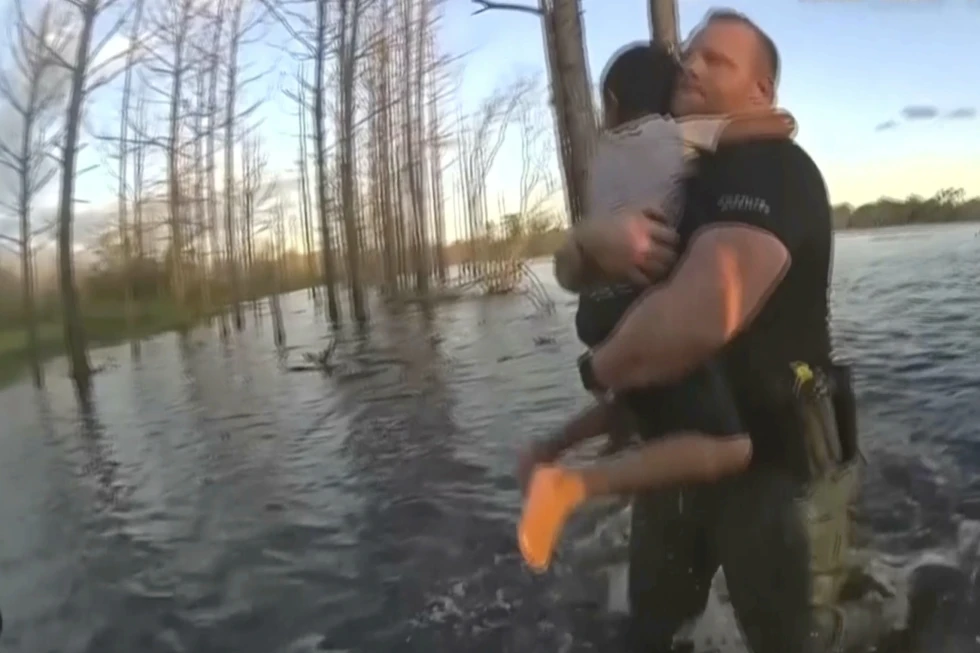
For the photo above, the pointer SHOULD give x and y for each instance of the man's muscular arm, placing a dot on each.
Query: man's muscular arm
(726, 276)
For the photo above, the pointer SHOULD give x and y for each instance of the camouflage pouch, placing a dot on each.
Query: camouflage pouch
(827, 516)
(833, 484)
(828, 416)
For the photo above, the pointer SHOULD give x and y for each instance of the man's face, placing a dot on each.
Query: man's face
(721, 72)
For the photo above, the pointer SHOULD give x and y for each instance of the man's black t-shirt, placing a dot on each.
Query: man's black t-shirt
(774, 186)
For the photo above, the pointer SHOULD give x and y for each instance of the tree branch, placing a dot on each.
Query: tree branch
(487, 5)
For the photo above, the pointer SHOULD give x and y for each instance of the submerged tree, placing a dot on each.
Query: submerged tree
(571, 90)
(32, 92)
(85, 77)
(348, 32)
(123, 193)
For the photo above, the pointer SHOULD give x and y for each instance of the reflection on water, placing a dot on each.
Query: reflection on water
(209, 500)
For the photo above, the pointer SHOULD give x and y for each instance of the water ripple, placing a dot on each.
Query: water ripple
(211, 501)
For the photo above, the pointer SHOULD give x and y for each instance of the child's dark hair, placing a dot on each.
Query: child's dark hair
(639, 80)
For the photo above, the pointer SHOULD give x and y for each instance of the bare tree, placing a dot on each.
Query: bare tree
(175, 23)
(663, 21)
(349, 23)
(84, 79)
(304, 178)
(571, 90)
(278, 254)
(379, 83)
(123, 196)
(479, 140)
(32, 92)
(139, 175)
(436, 139)
(411, 80)
(314, 39)
(235, 36)
(256, 192)
(201, 228)
(213, 59)
(319, 139)
(536, 183)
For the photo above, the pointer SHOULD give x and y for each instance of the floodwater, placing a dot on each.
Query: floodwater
(210, 500)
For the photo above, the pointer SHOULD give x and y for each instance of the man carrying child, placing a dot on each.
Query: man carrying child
(750, 458)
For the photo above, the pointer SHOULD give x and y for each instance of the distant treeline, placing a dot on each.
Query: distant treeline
(102, 282)
(948, 205)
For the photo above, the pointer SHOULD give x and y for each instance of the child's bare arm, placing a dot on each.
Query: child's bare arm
(701, 133)
(758, 125)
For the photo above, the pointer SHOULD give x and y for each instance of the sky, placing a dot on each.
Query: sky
(886, 92)
(852, 71)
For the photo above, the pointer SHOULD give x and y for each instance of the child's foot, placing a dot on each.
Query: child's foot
(553, 494)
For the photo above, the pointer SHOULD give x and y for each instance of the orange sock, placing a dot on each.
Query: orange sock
(554, 493)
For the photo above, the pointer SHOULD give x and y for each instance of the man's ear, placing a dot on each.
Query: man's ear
(767, 90)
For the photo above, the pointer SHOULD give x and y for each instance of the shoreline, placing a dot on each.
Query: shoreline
(108, 328)
(14, 362)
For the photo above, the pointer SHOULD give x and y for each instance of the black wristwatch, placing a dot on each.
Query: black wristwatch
(587, 373)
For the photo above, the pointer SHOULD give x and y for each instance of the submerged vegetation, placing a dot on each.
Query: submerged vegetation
(388, 189)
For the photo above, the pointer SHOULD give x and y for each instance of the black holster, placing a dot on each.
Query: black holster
(845, 409)
(824, 400)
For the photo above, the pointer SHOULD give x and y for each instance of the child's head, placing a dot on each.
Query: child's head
(638, 81)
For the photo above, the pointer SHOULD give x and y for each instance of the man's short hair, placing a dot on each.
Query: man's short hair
(769, 51)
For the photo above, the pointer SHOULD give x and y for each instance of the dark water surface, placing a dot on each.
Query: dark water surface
(211, 501)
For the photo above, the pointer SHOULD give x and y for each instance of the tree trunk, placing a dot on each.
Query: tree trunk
(435, 166)
(350, 18)
(75, 339)
(304, 186)
(319, 138)
(663, 21)
(129, 306)
(231, 259)
(214, 241)
(175, 203)
(27, 274)
(575, 115)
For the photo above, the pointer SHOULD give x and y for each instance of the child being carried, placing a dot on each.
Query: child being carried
(642, 160)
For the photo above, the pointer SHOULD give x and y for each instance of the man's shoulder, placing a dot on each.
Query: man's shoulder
(770, 184)
(779, 154)
(780, 168)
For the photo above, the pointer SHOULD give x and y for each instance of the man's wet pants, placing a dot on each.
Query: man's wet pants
(751, 526)
(782, 543)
